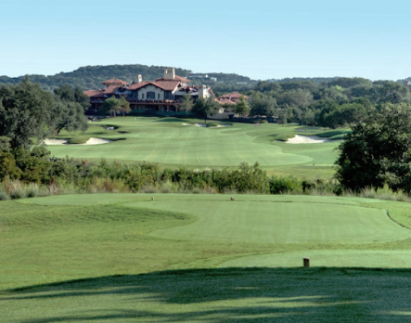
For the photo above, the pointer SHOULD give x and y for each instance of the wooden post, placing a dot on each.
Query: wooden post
(306, 262)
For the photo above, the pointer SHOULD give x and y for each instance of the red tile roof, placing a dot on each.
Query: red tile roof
(92, 93)
(225, 101)
(111, 89)
(176, 78)
(114, 81)
(233, 96)
(167, 85)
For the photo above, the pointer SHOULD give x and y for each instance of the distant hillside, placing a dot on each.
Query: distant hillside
(90, 77)
(318, 80)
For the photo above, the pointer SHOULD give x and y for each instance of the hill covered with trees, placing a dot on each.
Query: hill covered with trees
(90, 77)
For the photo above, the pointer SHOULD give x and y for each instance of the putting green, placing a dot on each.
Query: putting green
(327, 258)
(168, 142)
(261, 219)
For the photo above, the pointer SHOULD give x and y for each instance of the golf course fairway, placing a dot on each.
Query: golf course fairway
(172, 143)
(204, 258)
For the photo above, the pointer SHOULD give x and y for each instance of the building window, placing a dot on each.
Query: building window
(142, 96)
(158, 96)
(151, 95)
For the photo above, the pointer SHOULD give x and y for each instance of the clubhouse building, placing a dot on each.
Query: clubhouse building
(163, 94)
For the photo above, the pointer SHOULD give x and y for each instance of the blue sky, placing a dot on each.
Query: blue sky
(259, 39)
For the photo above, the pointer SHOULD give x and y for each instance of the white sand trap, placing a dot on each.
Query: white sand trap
(91, 141)
(53, 142)
(204, 125)
(96, 141)
(306, 140)
(194, 124)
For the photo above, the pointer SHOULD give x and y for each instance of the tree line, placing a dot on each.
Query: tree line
(339, 102)
(28, 112)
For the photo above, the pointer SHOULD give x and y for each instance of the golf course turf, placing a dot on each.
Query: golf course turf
(204, 258)
(170, 143)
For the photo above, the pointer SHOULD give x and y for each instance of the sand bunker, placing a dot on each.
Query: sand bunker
(97, 141)
(203, 125)
(53, 142)
(306, 140)
(91, 141)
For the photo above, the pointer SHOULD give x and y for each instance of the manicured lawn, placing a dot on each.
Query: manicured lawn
(170, 143)
(123, 246)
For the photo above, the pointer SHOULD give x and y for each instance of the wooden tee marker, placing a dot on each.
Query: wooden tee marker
(306, 262)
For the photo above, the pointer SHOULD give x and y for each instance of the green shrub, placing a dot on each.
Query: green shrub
(4, 196)
(18, 193)
(281, 185)
(32, 190)
(78, 140)
(212, 124)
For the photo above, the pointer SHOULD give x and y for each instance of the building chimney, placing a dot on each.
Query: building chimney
(139, 79)
(170, 74)
(203, 92)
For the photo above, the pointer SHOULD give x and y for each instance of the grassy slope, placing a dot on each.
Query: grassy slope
(168, 142)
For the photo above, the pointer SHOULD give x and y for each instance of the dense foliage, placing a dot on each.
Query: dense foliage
(27, 112)
(204, 107)
(378, 151)
(339, 102)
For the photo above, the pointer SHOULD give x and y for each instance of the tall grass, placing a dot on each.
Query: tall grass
(109, 178)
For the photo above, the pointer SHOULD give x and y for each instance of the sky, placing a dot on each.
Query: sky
(260, 39)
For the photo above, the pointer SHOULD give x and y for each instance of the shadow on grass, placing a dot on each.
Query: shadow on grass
(230, 295)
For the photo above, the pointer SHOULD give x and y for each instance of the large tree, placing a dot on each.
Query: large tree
(69, 116)
(186, 103)
(25, 112)
(378, 151)
(204, 107)
(112, 105)
(262, 104)
(67, 93)
(242, 107)
(124, 106)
